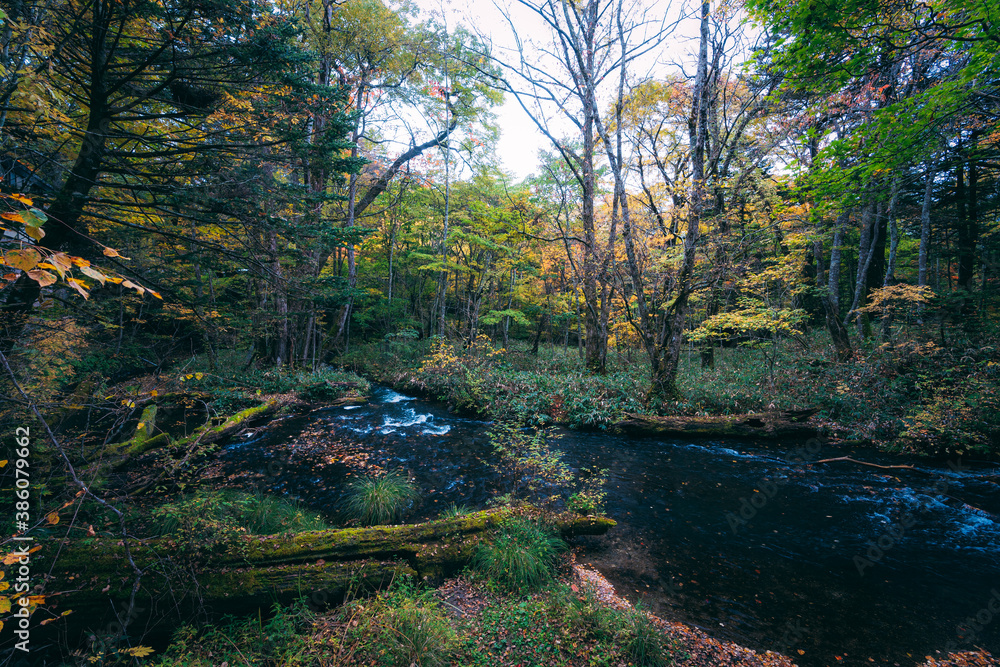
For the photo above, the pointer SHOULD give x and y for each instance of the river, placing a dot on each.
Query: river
(832, 564)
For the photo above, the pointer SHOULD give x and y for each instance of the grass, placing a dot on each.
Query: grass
(454, 511)
(215, 515)
(379, 500)
(520, 558)
(406, 625)
(414, 629)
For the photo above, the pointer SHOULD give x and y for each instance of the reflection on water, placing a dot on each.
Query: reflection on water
(861, 562)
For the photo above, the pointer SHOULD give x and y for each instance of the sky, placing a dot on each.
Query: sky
(520, 140)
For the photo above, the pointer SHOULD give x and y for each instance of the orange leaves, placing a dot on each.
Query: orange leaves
(16, 556)
(42, 266)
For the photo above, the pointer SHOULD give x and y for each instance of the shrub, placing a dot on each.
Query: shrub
(379, 500)
(520, 557)
(282, 640)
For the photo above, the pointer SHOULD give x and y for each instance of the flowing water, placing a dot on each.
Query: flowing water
(832, 564)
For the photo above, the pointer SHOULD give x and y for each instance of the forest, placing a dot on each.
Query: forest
(271, 286)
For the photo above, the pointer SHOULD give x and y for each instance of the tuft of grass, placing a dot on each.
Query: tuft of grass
(642, 641)
(453, 511)
(379, 500)
(520, 558)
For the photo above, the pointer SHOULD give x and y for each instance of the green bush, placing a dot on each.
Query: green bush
(415, 631)
(521, 557)
(379, 500)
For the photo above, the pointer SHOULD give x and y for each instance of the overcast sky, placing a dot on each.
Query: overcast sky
(520, 139)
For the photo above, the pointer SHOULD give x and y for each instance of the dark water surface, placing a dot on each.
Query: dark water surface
(832, 564)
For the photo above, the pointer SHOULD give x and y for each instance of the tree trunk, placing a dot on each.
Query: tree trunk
(775, 425)
(831, 302)
(925, 225)
(890, 271)
(663, 385)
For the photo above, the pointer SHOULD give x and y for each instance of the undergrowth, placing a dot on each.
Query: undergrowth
(905, 392)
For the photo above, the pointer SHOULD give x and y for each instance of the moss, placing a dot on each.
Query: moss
(136, 447)
(257, 570)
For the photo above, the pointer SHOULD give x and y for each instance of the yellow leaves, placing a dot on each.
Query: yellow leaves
(24, 260)
(93, 273)
(20, 198)
(12, 217)
(3, 463)
(132, 285)
(61, 262)
(43, 278)
(34, 232)
(52, 518)
(899, 297)
(111, 252)
(4, 605)
(79, 286)
(139, 651)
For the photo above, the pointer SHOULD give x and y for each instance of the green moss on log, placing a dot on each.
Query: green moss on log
(764, 425)
(256, 571)
(136, 448)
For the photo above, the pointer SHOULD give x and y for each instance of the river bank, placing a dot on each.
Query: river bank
(909, 398)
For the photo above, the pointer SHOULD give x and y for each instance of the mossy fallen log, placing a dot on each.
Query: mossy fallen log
(256, 571)
(190, 445)
(763, 425)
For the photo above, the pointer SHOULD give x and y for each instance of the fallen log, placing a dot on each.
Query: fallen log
(256, 571)
(763, 425)
(191, 446)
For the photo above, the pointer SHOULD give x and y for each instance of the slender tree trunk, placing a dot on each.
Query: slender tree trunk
(663, 385)
(281, 302)
(890, 271)
(869, 228)
(925, 225)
